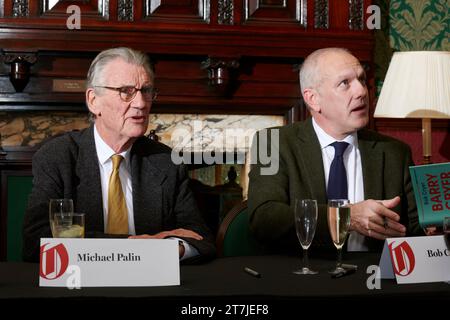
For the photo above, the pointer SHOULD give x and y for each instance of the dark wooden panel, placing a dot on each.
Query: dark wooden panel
(265, 49)
(280, 12)
(43, 8)
(338, 14)
(173, 11)
(89, 9)
(180, 79)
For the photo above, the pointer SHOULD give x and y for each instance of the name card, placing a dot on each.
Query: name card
(76, 263)
(415, 259)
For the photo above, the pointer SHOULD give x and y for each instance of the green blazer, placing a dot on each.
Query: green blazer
(271, 198)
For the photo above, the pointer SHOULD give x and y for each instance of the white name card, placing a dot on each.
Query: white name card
(76, 263)
(415, 259)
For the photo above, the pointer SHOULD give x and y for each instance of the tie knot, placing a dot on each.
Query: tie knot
(116, 160)
(339, 148)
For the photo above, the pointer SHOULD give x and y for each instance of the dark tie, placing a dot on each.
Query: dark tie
(337, 180)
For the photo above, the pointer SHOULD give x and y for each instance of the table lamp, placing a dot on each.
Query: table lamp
(417, 85)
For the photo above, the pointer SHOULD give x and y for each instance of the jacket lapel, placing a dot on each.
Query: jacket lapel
(372, 161)
(310, 157)
(89, 191)
(147, 182)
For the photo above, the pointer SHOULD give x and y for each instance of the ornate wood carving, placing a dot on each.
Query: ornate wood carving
(20, 8)
(125, 10)
(321, 14)
(20, 68)
(356, 14)
(226, 11)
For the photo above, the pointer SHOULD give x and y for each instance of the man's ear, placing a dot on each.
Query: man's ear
(311, 98)
(91, 100)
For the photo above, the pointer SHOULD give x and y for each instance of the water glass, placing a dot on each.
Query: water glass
(69, 225)
(62, 207)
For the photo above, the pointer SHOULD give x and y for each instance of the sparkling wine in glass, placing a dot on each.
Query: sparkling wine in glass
(64, 209)
(305, 227)
(338, 224)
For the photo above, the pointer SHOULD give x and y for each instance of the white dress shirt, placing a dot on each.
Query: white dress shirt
(353, 167)
(104, 154)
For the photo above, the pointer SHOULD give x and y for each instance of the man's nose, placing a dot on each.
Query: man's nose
(360, 89)
(139, 101)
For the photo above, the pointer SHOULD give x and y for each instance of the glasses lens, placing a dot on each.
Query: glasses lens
(127, 93)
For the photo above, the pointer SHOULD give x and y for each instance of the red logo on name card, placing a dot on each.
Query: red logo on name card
(54, 261)
(403, 258)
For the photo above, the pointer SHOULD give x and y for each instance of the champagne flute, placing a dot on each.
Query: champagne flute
(61, 207)
(305, 227)
(338, 224)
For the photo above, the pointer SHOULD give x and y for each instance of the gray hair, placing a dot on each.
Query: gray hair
(310, 73)
(95, 73)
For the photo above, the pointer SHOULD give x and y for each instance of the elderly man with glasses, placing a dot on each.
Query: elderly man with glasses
(125, 183)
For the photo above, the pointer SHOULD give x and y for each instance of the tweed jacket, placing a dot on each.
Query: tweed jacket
(67, 167)
(271, 198)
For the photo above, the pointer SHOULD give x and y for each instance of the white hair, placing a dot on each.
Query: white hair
(95, 73)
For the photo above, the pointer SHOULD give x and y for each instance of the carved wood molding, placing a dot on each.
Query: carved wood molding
(20, 8)
(356, 14)
(125, 10)
(321, 14)
(226, 12)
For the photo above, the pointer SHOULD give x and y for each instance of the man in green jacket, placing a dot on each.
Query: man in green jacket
(372, 169)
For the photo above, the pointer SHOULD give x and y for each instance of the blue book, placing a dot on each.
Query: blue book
(431, 184)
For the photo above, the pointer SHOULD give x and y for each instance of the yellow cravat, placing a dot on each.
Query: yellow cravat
(117, 209)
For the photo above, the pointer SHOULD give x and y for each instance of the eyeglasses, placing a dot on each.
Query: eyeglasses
(127, 93)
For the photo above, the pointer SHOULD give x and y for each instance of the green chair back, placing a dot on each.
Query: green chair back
(234, 237)
(19, 188)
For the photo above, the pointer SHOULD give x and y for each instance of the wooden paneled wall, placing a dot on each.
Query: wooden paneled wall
(256, 44)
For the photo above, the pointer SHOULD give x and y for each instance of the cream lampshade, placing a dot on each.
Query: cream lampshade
(417, 85)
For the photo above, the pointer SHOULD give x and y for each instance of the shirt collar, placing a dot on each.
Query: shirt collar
(325, 139)
(104, 151)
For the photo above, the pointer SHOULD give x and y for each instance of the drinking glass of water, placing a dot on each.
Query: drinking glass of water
(69, 225)
(61, 207)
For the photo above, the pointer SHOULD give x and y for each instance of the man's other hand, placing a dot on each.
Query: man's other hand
(374, 218)
(178, 233)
